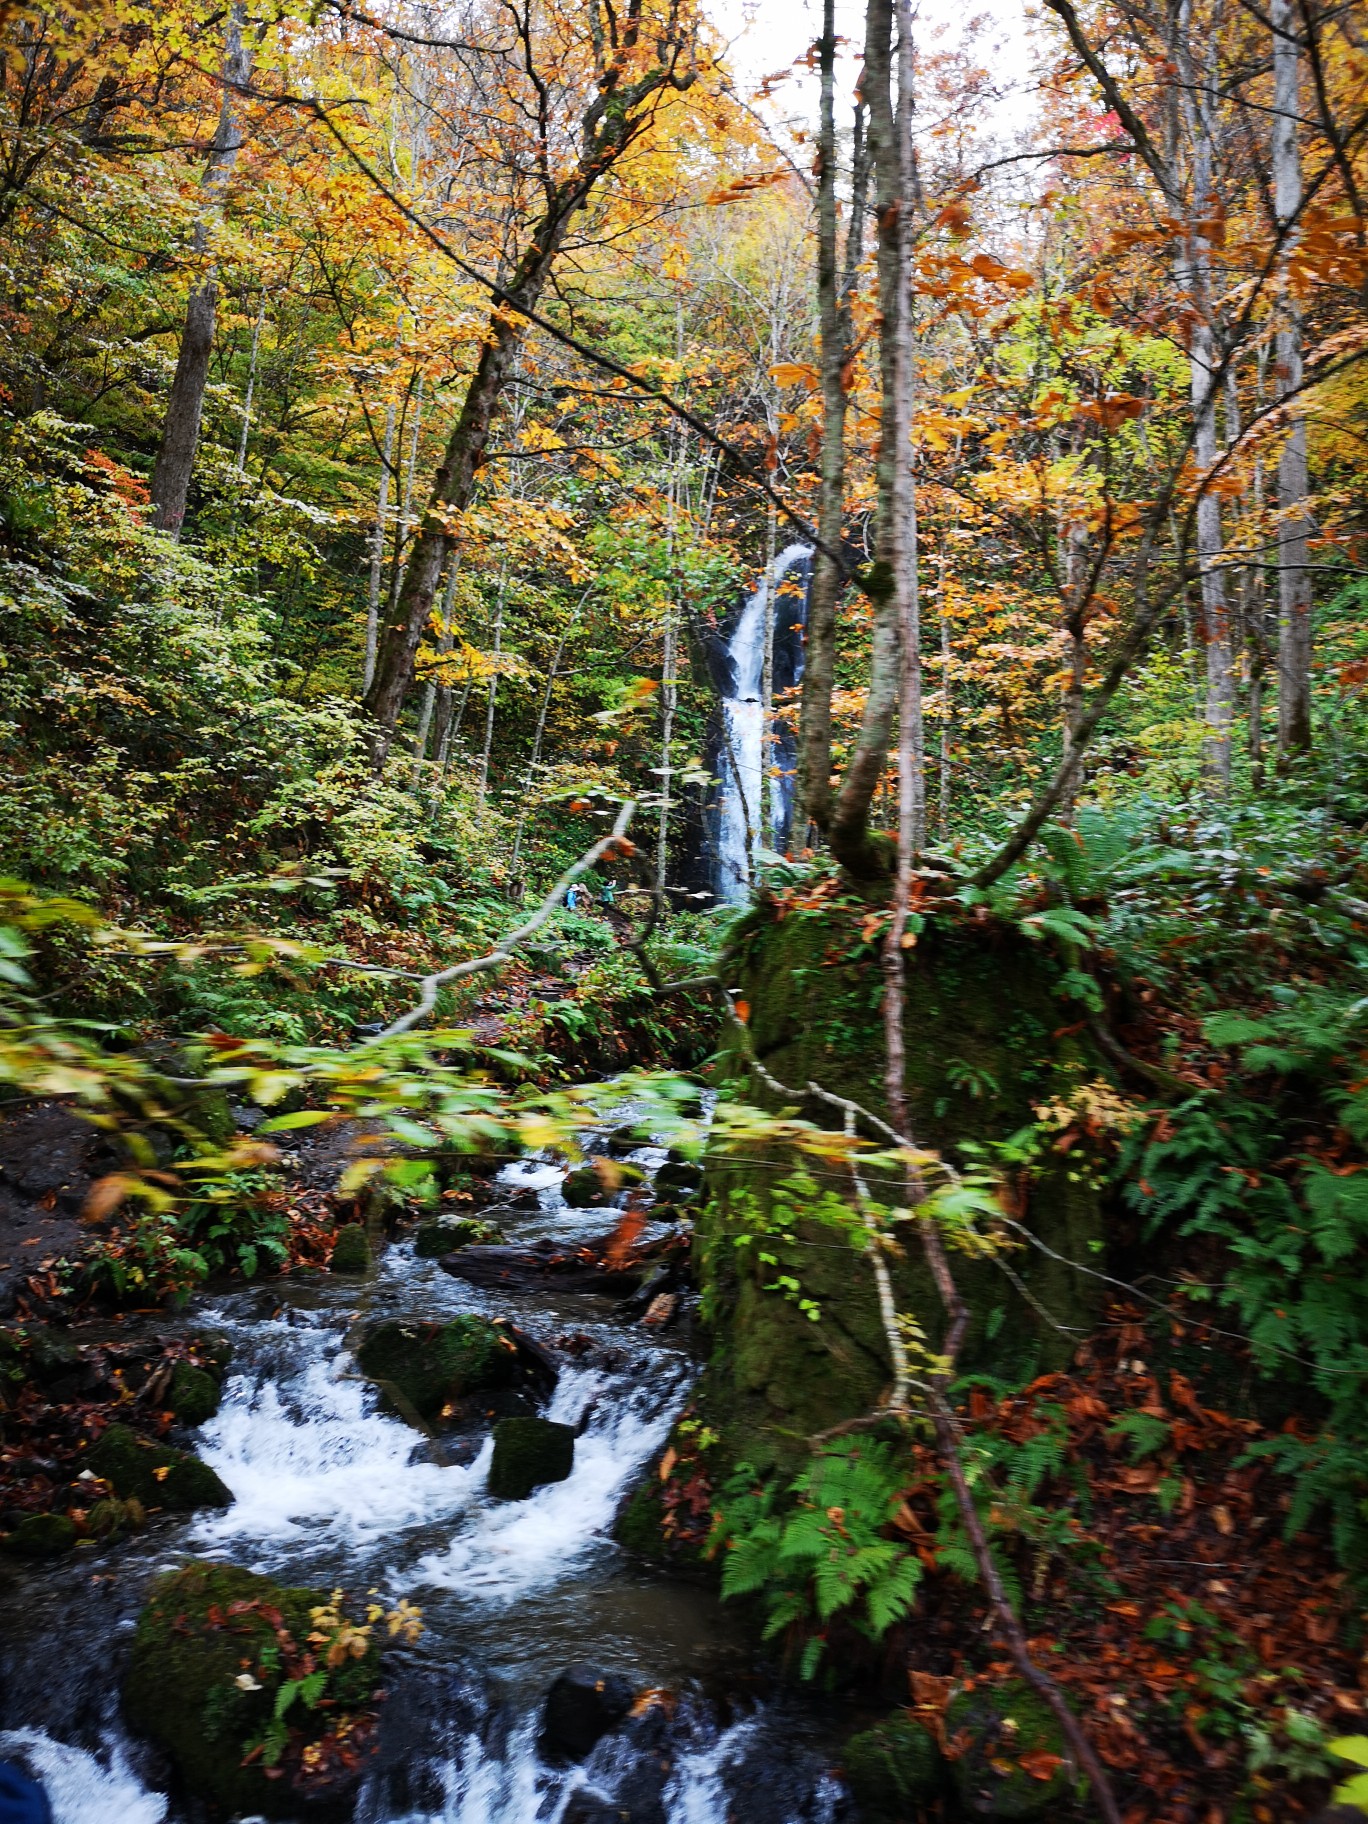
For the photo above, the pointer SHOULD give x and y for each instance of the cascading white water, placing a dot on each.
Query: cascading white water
(743, 759)
(328, 1489)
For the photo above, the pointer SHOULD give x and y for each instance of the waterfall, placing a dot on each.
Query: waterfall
(742, 759)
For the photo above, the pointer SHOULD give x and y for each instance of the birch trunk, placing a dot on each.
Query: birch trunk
(1294, 527)
(767, 747)
(377, 553)
(1203, 367)
(482, 785)
(175, 462)
(895, 659)
(241, 464)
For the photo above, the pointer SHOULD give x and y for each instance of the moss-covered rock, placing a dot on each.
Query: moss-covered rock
(351, 1251)
(1010, 1753)
(444, 1234)
(892, 1770)
(40, 1536)
(984, 1048)
(585, 1188)
(527, 1454)
(194, 1395)
(431, 1366)
(203, 1679)
(155, 1474)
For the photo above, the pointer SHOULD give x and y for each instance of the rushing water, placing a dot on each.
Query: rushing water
(743, 760)
(330, 1491)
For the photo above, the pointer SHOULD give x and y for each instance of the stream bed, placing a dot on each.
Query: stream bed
(330, 1491)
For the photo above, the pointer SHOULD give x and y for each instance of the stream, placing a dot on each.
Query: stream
(331, 1491)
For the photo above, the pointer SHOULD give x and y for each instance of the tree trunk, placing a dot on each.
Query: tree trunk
(767, 745)
(483, 784)
(184, 408)
(1203, 365)
(377, 553)
(1294, 578)
(891, 582)
(251, 385)
(813, 797)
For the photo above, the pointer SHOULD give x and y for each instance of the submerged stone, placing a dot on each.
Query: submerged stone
(527, 1454)
(432, 1365)
(40, 1536)
(892, 1768)
(155, 1474)
(351, 1251)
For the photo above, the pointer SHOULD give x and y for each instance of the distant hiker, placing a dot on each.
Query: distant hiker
(608, 895)
(572, 896)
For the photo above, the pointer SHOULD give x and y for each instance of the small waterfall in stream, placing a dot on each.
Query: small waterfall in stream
(332, 1491)
(743, 757)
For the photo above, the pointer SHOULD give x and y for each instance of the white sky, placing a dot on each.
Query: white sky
(768, 35)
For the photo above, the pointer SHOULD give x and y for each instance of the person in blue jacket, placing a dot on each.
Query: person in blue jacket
(22, 1800)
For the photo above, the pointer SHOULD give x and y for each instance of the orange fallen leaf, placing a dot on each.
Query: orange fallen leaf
(1040, 1763)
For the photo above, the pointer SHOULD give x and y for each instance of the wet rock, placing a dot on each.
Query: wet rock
(205, 1630)
(679, 1178)
(527, 1454)
(1002, 1726)
(892, 1769)
(40, 1536)
(155, 1474)
(546, 1263)
(581, 1707)
(431, 1366)
(444, 1234)
(626, 1139)
(585, 1188)
(351, 1251)
(194, 1395)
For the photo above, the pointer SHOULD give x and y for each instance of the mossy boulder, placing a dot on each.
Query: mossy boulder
(41, 1536)
(529, 1453)
(1010, 1759)
(431, 1366)
(193, 1395)
(155, 1474)
(444, 1234)
(586, 1188)
(892, 1770)
(679, 1178)
(351, 1250)
(985, 1046)
(203, 1680)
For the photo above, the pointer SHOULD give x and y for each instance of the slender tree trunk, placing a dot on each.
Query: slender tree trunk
(482, 785)
(813, 797)
(542, 713)
(1204, 363)
(1294, 578)
(175, 462)
(947, 705)
(1256, 627)
(767, 747)
(377, 553)
(430, 694)
(894, 687)
(251, 386)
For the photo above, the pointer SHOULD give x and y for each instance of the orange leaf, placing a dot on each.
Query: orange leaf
(1040, 1764)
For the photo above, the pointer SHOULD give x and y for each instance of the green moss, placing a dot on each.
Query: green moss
(984, 1047)
(999, 1725)
(205, 1627)
(445, 1233)
(892, 1769)
(194, 1395)
(528, 1453)
(131, 1468)
(351, 1251)
(41, 1536)
(430, 1365)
